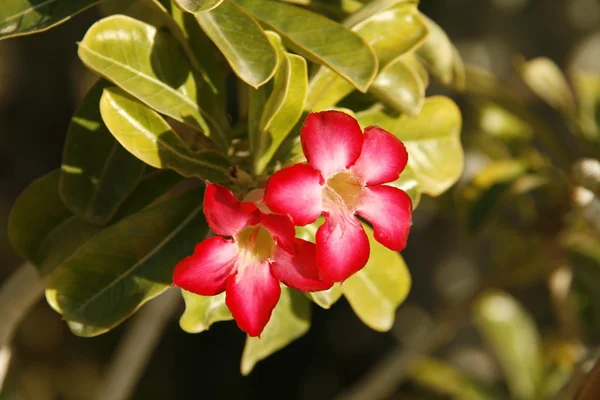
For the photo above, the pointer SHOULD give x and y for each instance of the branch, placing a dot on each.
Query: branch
(136, 347)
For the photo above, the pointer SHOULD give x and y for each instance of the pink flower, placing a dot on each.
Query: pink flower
(344, 177)
(261, 252)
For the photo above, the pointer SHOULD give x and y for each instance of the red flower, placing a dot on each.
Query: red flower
(261, 252)
(344, 177)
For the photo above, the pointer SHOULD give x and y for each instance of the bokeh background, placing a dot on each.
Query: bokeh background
(41, 82)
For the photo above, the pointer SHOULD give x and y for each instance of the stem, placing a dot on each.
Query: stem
(17, 296)
(136, 347)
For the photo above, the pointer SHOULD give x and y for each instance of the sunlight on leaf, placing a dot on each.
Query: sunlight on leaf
(194, 6)
(202, 311)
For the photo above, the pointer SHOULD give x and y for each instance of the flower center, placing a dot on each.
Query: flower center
(255, 243)
(344, 188)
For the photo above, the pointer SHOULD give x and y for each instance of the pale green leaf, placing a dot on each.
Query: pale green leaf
(318, 39)
(150, 65)
(289, 321)
(147, 136)
(379, 288)
(284, 106)
(409, 183)
(511, 333)
(390, 32)
(22, 17)
(587, 90)
(242, 41)
(194, 6)
(111, 275)
(97, 173)
(400, 87)
(499, 122)
(432, 139)
(202, 311)
(326, 298)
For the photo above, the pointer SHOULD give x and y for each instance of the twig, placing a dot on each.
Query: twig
(137, 346)
(18, 294)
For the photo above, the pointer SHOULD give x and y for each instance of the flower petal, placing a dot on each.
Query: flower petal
(282, 230)
(252, 294)
(382, 159)
(225, 214)
(299, 271)
(206, 271)
(331, 141)
(295, 191)
(389, 210)
(342, 246)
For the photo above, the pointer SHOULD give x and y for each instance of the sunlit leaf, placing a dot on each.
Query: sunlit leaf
(409, 183)
(511, 333)
(284, 106)
(587, 90)
(289, 321)
(327, 298)
(97, 173)
(400, 87)
(242, 41)
(432, 139)
(546, 80)
(150, 65)
(391, 33)
(117, 270)
(202, 311)
(194, 6)
(501, 123)
(147, 136)
(341, 7)
(379, 288)
(334, 46)
(22, 17)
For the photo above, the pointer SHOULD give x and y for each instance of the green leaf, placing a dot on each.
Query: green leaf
(110, 276)
(147, 136)
(439, 55)
(35, 213)
(22, 17)
(400, 87)
(97, 173)
(500, 123)
(326, 298)
(432, 139)
(284, 106)
(547, 81)
(242, 41)
(334, 46)
(202, 311)
(409, 183)
(587, 90)
(150, 65)
(379, 288)
(511, 333)
(194, 6)
(391, 33)
(289, 321)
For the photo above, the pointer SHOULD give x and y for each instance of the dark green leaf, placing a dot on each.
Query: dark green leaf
(22, 17)
(334, 45)
(146, 135)
(289, 321)
(97, 173)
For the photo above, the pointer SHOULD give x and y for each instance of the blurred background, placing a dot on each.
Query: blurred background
(41, 82)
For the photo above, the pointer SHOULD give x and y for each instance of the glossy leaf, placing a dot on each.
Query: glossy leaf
(439, 55)
(400, 87)
(242, 41)
(202, 311)
(97, 173)
(511, 333)
(341, 7)
(22, 17)
(289, 321)
(111, 275)
(284, 106)
(379, 288)
(147, 136)
(150, 65)
(432, 139)
(391, 33)
(334, 46)
(547, 81)
(194, 6)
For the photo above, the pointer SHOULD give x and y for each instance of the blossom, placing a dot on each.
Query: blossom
(344, 176)
(260, 252)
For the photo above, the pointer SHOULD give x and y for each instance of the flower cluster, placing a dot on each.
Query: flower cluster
(256, 247)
